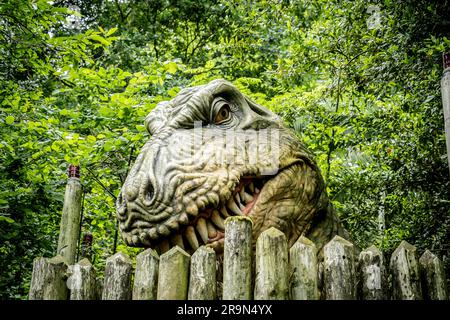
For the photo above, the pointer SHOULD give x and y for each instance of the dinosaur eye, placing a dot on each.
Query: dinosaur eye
(223, 114)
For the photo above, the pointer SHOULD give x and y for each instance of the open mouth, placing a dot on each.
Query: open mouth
(208, 227)
(205, 227)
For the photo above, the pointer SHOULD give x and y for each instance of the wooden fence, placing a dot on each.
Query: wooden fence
(272, 272)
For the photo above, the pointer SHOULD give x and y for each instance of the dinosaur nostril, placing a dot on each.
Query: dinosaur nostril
(148, 194)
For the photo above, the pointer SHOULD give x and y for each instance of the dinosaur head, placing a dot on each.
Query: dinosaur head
(213, 153)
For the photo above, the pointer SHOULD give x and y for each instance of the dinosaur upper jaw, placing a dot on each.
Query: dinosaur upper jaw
(208, 225)
(203, 226)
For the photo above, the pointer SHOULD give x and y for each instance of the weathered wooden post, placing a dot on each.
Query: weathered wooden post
(48, 281)
(202, 283)
(271, 281)
(304, 270)
(117, 281)
(237, 264)
(404, 267)
(372, 275)
(173, 275)
(434, 284)
(99, 284)
(81, 281)
(71, 216)
(445, 92)
(146, 275)
(339, 270)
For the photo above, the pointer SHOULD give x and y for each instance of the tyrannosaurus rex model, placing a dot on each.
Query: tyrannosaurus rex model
(213, 153)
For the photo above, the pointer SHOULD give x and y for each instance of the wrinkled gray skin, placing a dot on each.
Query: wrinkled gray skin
(207, 144)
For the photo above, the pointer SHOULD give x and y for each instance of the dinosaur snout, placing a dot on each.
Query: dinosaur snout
(140, 190)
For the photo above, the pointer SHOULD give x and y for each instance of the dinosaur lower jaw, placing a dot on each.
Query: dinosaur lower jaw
(208, 227)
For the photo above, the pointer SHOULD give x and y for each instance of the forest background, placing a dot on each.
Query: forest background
(358, 81)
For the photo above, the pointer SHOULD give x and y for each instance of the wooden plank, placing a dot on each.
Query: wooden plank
(372, 274)
(272, 268)
(146, 275)
(81, 281)
(404, 267)
(117, 281)
(237, 268)
(434, 282)
(304, 270)
(173, 276)
(202, 283)
(339, 270)
(48, 281)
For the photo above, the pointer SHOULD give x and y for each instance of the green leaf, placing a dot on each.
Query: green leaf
(105, 111)
(6, 219)
(9, 120)
(100, 39)
(141, 128)
(111, 31)
(171, 67)
(108, 146)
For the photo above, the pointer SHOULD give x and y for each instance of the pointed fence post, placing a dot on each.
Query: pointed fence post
(81, 281)
(404, 267)
(173, 275)
(71, 217)
(304, 270)
(372, 275)
(146, 275)
(271, 281)
(202, 283)
(117, 281)
(339, 270)
(445, 93)
(237, 260)
(48, 281)
(434, 282)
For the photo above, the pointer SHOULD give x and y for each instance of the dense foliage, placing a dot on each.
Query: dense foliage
(358, 82)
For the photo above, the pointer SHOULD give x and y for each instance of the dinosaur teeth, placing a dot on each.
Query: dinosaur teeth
(192, 209)
(233, 207)
(237, 198)
(251, 187)
(177, 240)
(172, 224)
(239, 201)
(217, 244)
(212, 232)
(163, 230)
(247, 197)
(145, 238)
(241, 206)
(202, 230)
(224, 212)
(242, 194)
(191, 237)
(215, 217)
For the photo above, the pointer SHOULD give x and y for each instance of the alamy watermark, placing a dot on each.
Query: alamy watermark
(223, 148)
